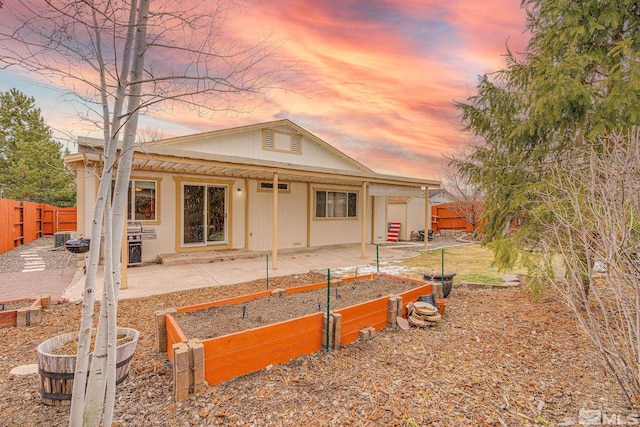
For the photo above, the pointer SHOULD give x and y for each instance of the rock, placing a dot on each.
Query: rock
(510, 278)
(25, 369)
(403, 323)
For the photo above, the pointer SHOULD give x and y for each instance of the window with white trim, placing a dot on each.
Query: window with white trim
(336, 204)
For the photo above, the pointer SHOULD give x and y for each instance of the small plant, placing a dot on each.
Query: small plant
(408, 422)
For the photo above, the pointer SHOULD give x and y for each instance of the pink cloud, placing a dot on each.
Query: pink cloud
(377, 80)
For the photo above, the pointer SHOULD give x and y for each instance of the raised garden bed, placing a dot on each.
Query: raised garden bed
(281, 306)
(233, 337)
(23, 312)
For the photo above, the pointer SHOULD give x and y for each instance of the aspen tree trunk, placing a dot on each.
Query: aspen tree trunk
(102, 381)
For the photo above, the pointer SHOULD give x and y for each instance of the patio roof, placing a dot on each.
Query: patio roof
(162, 159)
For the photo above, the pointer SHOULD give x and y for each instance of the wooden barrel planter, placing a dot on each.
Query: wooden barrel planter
(57, 371)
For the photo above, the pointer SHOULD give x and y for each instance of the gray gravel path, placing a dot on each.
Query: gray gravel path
(54, 258)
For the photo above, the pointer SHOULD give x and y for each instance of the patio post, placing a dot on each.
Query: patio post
(427, 217)
(363, 215)
(124, 259)
(274, 250)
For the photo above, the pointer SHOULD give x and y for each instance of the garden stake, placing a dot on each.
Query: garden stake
(244, 311)
(328, 306)
(442, 271)
(267, 271)
(377, 258)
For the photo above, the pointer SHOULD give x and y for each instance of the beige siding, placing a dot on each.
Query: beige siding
(165, 230)
(415, 216)
(170, 216)
(237, 218)
(380, 215)
(91, 193)
(410, 215)
(292, 221)
(397, 212)
(249, 145)
(335, 231)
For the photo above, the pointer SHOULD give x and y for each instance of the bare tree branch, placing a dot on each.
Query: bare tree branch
(114, 60)
(590, 251)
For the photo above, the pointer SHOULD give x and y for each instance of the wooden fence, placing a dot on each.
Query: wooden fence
(24, 222)
(446, 217)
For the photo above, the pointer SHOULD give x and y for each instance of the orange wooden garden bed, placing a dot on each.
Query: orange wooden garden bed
(224, 357)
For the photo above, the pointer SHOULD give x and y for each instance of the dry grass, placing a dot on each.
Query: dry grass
(472, 263)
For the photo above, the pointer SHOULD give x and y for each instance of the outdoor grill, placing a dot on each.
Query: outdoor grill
(136, 233)
(77, 246)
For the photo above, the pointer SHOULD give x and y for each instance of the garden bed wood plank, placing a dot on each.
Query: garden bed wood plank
(223, 302)
(371, 313)
(231, 355)
(174, 334)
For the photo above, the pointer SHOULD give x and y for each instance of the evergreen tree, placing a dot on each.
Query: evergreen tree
(31, 162)
(577, 81)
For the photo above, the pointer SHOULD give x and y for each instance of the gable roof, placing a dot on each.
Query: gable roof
(440, 192)
(160, 156)
(258, 126)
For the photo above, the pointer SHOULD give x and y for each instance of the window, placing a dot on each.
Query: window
(336, 204)
(143, 194)
(268, 186)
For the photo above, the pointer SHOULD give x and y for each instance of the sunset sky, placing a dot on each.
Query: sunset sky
(376, 79)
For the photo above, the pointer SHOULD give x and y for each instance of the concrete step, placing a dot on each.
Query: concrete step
(206, 257)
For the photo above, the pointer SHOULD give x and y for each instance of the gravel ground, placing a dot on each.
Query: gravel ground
(496, 359)
(54, 258)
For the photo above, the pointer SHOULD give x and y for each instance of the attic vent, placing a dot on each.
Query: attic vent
(283, 142)
(268, 140)
(296, 143)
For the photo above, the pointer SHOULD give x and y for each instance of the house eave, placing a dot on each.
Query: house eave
(162, 159)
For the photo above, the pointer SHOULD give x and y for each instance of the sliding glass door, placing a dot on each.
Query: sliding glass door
(204, 214)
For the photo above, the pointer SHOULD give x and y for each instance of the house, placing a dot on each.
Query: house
(261, 187)
(438, 196)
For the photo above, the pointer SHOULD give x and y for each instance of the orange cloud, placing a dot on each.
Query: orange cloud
(377, 80)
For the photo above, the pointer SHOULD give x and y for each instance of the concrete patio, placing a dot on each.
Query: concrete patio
(342, 260)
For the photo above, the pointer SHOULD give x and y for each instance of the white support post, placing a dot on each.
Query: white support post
(274, 250)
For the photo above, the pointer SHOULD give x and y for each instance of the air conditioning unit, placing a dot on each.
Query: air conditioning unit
(60, 237)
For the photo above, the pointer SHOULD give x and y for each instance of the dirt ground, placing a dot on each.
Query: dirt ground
(497, 359)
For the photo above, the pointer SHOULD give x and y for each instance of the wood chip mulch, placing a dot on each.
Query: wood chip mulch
(496, 359)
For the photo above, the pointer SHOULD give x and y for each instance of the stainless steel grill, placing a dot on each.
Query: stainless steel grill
(136, 233)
